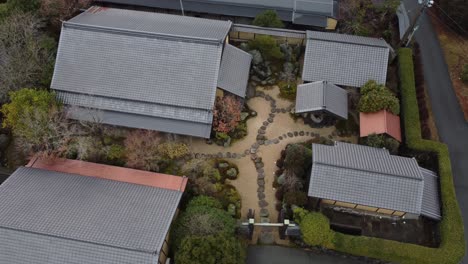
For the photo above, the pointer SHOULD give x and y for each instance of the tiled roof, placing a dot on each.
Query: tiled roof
(44, 212)
(322, 95)
(369, 176)
(278, 32)
(109, 172)
(234, 71)
(430, 204)
(344, 59)
(304, 12)
(142, 64)
(379, 123)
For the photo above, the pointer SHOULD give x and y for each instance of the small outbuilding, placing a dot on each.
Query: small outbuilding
(382, 122)
(67, 211)
(372, 180)
(321, 96)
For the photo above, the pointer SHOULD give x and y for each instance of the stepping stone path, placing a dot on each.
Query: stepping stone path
(259, 165)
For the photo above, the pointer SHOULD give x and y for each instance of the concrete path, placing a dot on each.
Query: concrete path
(451, 125)
(282, 255)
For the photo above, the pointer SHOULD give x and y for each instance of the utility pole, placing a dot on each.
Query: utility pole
(406, 39)
(182, 7)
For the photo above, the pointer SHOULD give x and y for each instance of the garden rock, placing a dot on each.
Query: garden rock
(223, 165)
(259, 165)
(261, 175)
(290, 134)
(261, 182)
(232, 173)
(263, 203)
(261, 195)
(264, 212)
(244, 46)
(253, 113)
(256, 57)
(244, 115)
(281, 179)
(260, 189)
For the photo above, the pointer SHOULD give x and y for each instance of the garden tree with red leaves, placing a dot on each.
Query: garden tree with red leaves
(226, 113)
(59, 10)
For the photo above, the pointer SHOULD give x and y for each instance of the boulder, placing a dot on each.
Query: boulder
(281, 179)
(256, 57)
(244, 116)
(264, 212)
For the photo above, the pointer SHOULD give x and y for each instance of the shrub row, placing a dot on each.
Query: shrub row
(452, 247)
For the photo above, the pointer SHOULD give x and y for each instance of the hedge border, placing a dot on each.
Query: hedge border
(452, 247)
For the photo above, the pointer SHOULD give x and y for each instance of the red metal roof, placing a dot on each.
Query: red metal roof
(379, 123)
(109, 172)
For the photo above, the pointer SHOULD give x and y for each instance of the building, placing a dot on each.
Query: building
(371, 180)
(66, 211)
(382, 122)
(321, 96)
(317, 13)
(147, 70)
(344, 60)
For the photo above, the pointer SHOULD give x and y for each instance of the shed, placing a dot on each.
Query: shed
(382, 122)
(322, 96)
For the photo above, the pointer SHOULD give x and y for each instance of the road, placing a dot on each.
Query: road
(281, 255)
(451, 125)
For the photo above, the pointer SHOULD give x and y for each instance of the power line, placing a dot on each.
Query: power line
(453, 20)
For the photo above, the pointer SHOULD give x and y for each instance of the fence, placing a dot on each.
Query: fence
(241, 32)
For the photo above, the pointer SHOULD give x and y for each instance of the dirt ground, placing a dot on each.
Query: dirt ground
(455, 50)
(283, 123)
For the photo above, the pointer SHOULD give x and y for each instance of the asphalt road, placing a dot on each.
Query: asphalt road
(282, 255)
(451, 125)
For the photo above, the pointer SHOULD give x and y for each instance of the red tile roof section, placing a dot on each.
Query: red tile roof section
(379, 123)
(109, 172)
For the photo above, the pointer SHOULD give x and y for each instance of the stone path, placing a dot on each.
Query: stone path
(265, 194)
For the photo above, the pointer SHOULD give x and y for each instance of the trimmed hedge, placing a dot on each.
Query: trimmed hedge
(452, 247)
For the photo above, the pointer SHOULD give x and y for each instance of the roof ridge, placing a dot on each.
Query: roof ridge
(366, 170)
(143, 33)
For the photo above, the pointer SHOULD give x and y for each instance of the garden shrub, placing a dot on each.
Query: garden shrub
(297, 160)
(226, 113)
(212, 174)
(240, 131)
(381, 141)
(142, 150)
(297, 198)
(267, 46)
(200, 219)
(173, 150)
(464, 74)
(212, 249)
(203, 200)
(347, 127)
(315, 228)
(287, 90)
(268, 18)
(115, 153)
(376, 97)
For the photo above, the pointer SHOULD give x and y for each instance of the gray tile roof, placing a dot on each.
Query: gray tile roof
(322, 95)
(369, 176)
(304, 12)
(141, 63)
(234, 71)
(345, 59)
(430, 204)
(89, 218)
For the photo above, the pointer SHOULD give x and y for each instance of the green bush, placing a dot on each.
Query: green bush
(201, 221)
(295, 198)
(376, 97)
(268, 18)
(381, 141)
(464, 74)
(213, 249)
(315, 228)
(297, 159)
(207, 201)
(267, 46)
(288, 90)
(116, 153)
(347, 127)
